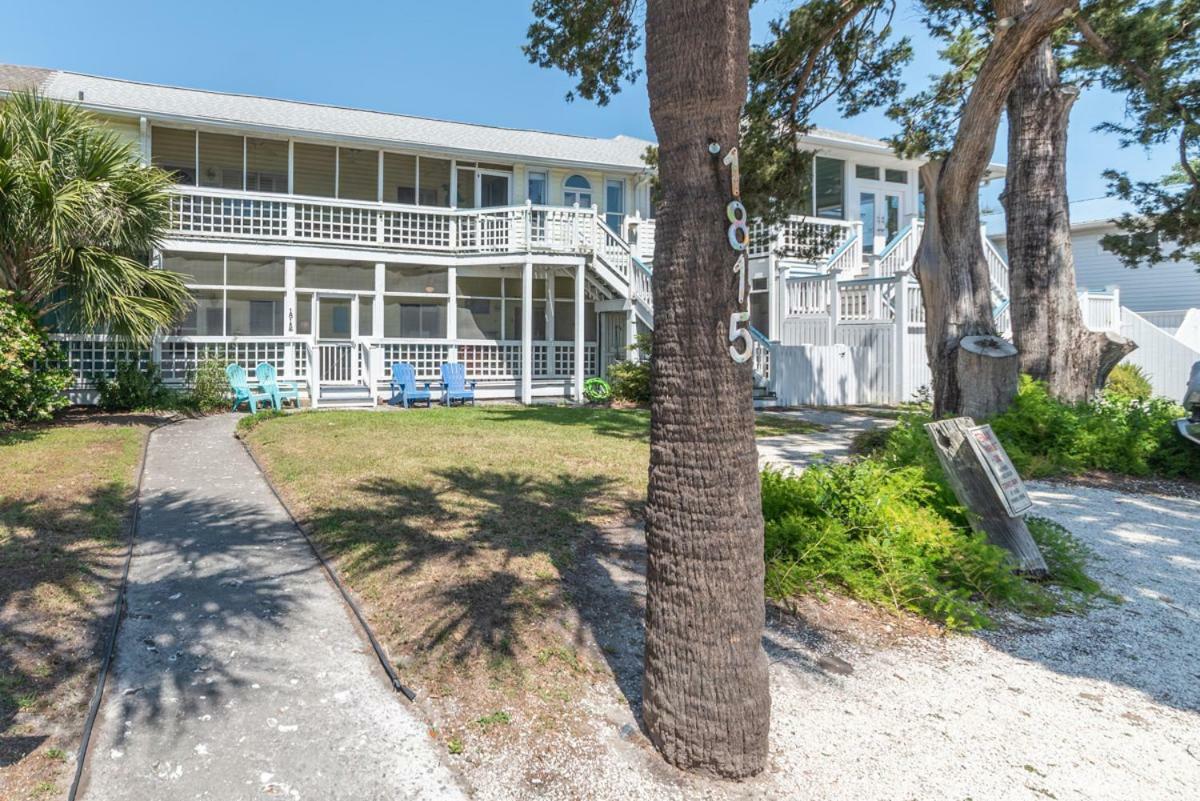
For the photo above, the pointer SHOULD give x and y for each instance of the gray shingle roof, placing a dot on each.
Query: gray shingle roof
(298, 118)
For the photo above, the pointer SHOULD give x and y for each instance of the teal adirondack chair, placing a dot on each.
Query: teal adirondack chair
(454, 384)
(279, 392)
(242, 391)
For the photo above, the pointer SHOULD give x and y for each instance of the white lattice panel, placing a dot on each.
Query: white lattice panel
(426, 358)
(335, 223)
(226, 216)
(91, 358)
(417, 229)
(487, 362)
(180, 358)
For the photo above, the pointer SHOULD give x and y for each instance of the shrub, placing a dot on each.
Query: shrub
(875, 532)
(1128, 382)
(31, 385)
(209, 388)
(631, 380)
(1045, 437)
(134, 388)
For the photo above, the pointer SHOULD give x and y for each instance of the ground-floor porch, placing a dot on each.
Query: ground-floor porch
(335, 321)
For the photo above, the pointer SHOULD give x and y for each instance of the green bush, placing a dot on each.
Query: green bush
(631, 380)
(875, 532)
(209, 388)
(1045, 438)
(1128, 382)
(31, 385)
(134, 388)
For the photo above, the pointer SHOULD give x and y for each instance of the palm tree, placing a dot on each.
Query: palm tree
(79, 213)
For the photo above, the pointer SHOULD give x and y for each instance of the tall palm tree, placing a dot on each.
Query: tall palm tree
(78, 214)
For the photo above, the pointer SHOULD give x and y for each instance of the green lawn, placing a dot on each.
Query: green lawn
(457, 527)
(65, 491)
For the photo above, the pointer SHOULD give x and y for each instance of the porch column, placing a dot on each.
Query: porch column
(631, 353)
(452, 314)
(551, 350)
(527, 332)
(900, 310)
(772, 299)
(580, 271)
(289, 316)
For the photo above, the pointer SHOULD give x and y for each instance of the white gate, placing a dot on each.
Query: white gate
(336, 362)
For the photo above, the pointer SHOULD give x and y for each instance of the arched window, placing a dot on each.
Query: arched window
(576, 189)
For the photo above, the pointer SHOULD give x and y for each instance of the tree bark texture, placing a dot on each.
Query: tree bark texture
(992, 362)
(706, 700)
(950, 264)
(1055, 344)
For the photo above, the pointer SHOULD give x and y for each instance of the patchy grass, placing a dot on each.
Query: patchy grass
(779, 425)
(65, 493)
(457, 527)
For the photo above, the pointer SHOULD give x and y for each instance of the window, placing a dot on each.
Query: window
(614, 204)
(399, 178)
(205, 318)
(435, 182)
(197, 268)
(866, 173)
(221, 160)
(424, 280)
(358, 174)
(829, 180)
(537, 188)
(174, 150)
(895, 176)
(577, 190)
(466, 188)
(313, 169)
(254, 271)
(254, 313)
(366, 316)
(266, 165)
(416, 319)
(348, 275)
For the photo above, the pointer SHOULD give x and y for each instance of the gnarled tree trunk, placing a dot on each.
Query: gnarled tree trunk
(950, 264)
(707, 705)
(1055, 344)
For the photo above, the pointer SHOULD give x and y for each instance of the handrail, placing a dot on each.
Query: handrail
(759, 335)
(895, 243)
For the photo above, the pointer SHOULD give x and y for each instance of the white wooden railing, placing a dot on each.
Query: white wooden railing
(901, 251)
(806, 239)
(484, 360)
(641, 235)
(337, 363)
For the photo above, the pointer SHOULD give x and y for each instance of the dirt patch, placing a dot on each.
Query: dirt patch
(66, 493)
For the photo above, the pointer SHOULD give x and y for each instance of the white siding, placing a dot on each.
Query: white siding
(1173, 285)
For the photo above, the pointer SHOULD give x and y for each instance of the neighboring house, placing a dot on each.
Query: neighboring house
(334, 242)
(1166, 287)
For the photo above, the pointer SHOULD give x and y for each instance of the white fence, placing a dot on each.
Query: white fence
(862, 341)
(1165, 359)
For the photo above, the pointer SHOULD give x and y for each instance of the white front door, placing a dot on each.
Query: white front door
(880, 213)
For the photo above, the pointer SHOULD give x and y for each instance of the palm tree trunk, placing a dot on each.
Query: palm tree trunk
(707, 705)
(1054, 343)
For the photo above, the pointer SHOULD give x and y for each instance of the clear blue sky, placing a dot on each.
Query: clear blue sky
(454, 59)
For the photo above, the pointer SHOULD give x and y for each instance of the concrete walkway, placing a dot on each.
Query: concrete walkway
(239, 673)
(831, 443)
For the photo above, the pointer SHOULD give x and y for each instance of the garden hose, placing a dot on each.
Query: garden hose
(596, 390)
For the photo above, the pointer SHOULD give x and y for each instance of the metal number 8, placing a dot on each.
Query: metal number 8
(739, 232)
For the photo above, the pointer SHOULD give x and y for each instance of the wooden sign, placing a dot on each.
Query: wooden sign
(985, 483)
(1005, 479)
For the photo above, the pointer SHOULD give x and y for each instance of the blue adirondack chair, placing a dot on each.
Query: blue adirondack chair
(454, 384)
(279, 392)
(242, 391)
(404, 387)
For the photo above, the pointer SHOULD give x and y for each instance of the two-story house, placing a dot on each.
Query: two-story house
(333, 242)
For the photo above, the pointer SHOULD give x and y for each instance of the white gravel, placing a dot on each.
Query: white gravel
(1100, 706)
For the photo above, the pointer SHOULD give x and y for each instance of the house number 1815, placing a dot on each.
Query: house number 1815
(739, 238)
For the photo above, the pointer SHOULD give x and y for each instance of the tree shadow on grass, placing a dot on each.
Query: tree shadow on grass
(631, 424)
(455, 569)
(59, 564)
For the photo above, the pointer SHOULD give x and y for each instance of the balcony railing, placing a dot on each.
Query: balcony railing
(209, 213)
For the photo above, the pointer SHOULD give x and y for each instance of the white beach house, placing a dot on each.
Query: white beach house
(333, 242)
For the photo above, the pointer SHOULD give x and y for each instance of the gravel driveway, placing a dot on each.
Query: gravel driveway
(1103, 706)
